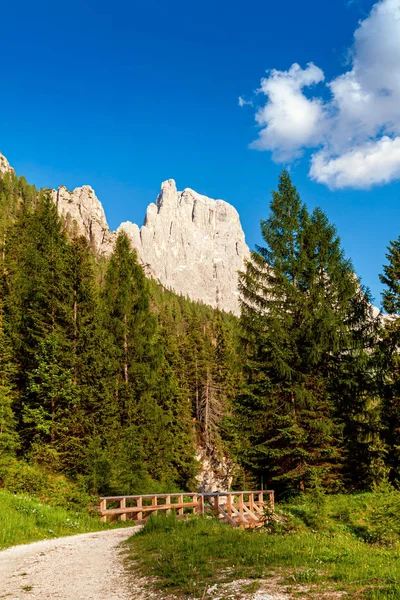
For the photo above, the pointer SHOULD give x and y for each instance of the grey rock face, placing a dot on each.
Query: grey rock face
(193, 245)
(216, 473)
(5, 165)
(190, 243)
(84, 208)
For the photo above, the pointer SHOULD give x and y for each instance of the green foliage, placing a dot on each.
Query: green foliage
(8, 433)
(20, 477)
(92, 381)
(110, 380)
(24, 519)
(389, 361)
(329, 543)
(306, 322)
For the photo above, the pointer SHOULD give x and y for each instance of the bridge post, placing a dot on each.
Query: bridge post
(216, 505)
(139, 515)
(200, 505)
(122, 504)
(103, 507)
(251, 501)
(240, 499)
(229, 504)
(180, 510)
(154, 503)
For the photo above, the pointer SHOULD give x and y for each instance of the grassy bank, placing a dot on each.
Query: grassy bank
(337, 543)
(24, 519)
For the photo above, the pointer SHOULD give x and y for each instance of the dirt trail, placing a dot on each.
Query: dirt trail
(81, 567)
(90, 567)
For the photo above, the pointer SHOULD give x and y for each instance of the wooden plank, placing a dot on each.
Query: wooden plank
(240, 516)
(216, 505)
(139, 514)
(272, 500)
(122, 505)
(227, 517)
(241, 503)
(181, 505)
(177, 495)
(137, 509)
(154, 504)
(168, 501)
(251, 502)
(200, 505)
(103, 508)
(252, 515)
(144, 497)
(229, 505)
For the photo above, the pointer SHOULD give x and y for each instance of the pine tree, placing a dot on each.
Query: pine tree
(52, 395)
(8, 433)
(390, 357)
(38, 301)
(302, 312)
(86, 420)
(137, 380)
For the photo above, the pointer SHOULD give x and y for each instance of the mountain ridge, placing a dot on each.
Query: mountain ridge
(190, 243)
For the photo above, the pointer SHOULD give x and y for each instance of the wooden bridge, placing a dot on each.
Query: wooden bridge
(239, 509)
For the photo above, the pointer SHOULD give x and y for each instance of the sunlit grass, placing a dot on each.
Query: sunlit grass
(23, 519)
(348, 543)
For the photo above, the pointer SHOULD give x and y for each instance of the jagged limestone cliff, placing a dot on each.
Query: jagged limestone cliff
(5, 165)
(191, 244)
(84, 208)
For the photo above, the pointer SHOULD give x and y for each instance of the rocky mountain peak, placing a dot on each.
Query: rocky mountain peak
(84, 208)
(190, 243)
(5, 166)
(168, 195)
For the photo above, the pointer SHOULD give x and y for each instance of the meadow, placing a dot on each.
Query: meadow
(341, 544)
(25, 519)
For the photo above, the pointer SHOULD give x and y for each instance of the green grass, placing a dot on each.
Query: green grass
(349, 543)
(24, 519)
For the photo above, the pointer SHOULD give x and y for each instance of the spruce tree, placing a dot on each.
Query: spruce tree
(303, 312)
(8, 433)
(38, 304)
(390, 357)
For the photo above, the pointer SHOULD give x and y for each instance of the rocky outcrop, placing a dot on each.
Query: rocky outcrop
(193, 245)
(190, 243)
(5, 166)
(82, 207)
(215, 473)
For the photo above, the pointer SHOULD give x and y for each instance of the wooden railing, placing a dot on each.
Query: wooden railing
(243, 509)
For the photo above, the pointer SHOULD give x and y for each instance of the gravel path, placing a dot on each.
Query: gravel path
(81, 567)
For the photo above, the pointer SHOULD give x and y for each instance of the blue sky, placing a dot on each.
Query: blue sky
(124, 95)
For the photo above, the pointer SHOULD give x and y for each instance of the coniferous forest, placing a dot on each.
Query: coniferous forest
(115, 383)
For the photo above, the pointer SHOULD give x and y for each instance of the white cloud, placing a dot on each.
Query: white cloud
(366, 165)
(243, 102)
(289, 120)
(355, 131)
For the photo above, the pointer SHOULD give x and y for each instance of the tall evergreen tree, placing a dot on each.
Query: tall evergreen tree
(8, 433)
(390, 357)
(38, 301)
(303, 313)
